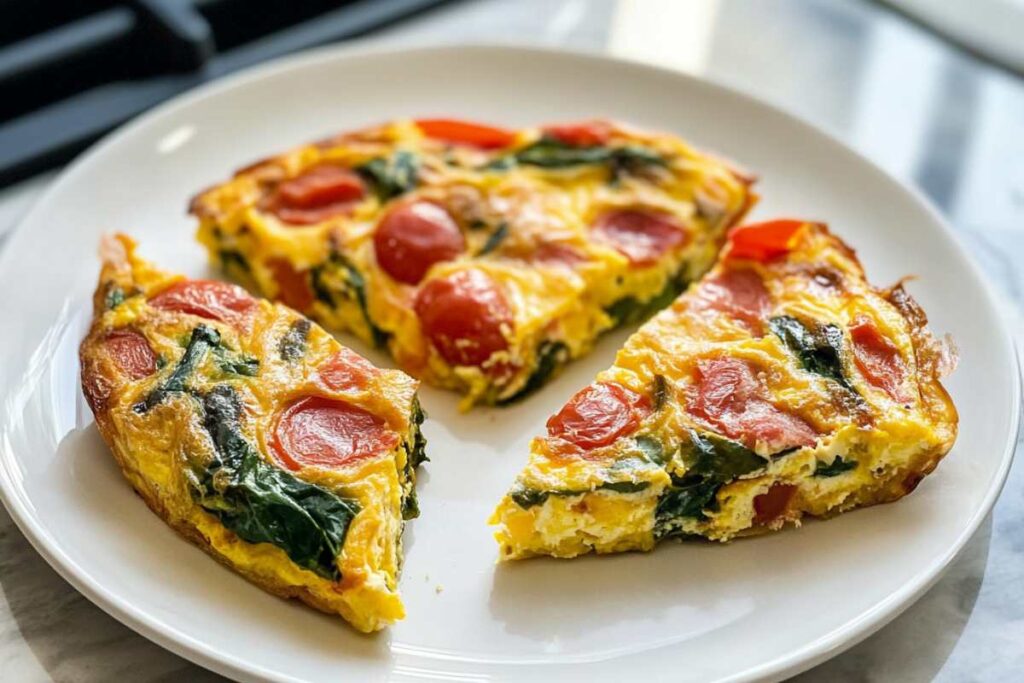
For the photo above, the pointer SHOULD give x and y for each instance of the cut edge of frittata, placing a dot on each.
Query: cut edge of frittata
(177, 389)
(781, 385)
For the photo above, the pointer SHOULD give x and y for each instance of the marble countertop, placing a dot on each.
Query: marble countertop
(932, 115)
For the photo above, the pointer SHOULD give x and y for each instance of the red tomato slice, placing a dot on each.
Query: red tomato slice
(464, 316)
(318, 194)
(413, 237)
(292, 287)
(346, 370)
(763, 241)
(772, 504)
(878, 359)
(598, 415)
(641, 235)
(729, 397)
(131, 352)
(581, 133)
(740, 294)
(321, 432)
(466, 133)
(209, 299)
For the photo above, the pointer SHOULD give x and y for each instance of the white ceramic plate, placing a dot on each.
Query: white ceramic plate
(763, 607)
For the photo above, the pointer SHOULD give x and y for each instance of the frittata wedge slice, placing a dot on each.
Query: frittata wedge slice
(483, 259)
(256, 435)
(781, 385)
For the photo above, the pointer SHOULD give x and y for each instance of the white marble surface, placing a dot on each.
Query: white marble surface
(940, 120)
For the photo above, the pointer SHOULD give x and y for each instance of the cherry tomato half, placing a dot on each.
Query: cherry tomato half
(346, 370)
(878, 359)
(413, 237)
(321, 432)
(763, 241)
(598, 415)
(209, 299)
(464, 315)
(319, 193)
(641, 235)
(131, 352)
(581, 133)
(466, 133)
(772, 504)
(292, 287)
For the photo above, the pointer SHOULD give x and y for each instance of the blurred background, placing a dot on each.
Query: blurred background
(931, 90)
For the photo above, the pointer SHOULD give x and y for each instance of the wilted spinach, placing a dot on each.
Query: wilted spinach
(551, 355)
(628, 309)
(264, 504)
(711, 463)
(391, 177)
(293, 343)
(495, 239)
(337, 279)
(837, 467)
(526, 497)
(820, 351)
(552, 153)
(203, 339)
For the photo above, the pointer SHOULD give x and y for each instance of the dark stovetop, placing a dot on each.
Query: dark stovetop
(70, 70)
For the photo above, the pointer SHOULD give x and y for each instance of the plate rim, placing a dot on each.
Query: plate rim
(187, 647)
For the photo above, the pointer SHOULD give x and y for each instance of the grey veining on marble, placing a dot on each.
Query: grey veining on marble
(932, 116)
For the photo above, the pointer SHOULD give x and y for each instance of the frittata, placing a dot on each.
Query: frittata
(780, 385)
(482, 258)
(256, 435)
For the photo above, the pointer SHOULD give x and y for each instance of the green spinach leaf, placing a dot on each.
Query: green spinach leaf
(629, 310)
(416, 453)
(114, 298)
(495, 239)
(526, 497)
(232, 257)
(551, 153)
(713, 457)
(551, 355)
(687, 497)
(391, 177)
(820, 351)
(203, 340)
(837, 467)
(337, 279)
(293, 344)
(264, 504)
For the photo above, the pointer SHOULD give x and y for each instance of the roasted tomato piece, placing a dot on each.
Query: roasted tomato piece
(209, 299)
(581, 133)
(346, 370)
(292, 286)
(413, 237)
(598, 415)
(641, 235)
(878, 359)
(320, 432)
(466, 133)
(729, 397)
(763, 241)
(773, 503)
(465, 316)
(740, 294)
(131, 352)
(318, 194)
